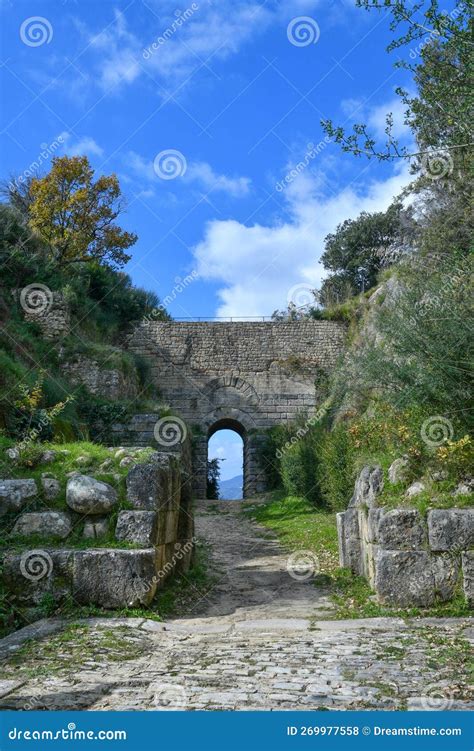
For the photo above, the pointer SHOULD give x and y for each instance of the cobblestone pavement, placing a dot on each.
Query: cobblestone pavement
(260, 640)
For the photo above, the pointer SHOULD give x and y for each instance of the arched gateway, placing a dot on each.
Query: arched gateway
(244, 376)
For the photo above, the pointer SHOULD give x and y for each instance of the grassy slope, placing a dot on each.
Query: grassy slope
(300, 526)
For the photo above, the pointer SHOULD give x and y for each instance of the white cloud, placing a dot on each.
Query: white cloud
(200, 174)
(257, 265)
(84, 145)
(203, 174)
(377, 119)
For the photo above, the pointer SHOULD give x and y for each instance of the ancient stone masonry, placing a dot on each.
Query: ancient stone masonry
(160, 525)
(110, 383)
(409, 560)
(244, 376)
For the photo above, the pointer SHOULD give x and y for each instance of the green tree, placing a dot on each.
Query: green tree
(75, 215)
(213, 478)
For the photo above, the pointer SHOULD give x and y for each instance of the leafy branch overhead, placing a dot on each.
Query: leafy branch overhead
(75, 215)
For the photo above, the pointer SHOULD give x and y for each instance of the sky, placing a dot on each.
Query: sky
(203, 110)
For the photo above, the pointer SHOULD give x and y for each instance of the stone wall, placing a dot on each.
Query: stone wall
(409, 560)
(244, 376)
(51, 315)
(109, 383)
(159, 525)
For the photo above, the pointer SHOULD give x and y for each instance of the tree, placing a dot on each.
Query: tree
(75, 215)
(356, 252)
(213, 477)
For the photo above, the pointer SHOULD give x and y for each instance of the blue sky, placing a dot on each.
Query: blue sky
(224, 84)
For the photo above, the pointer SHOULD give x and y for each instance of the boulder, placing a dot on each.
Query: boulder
(114, 578)
(398, 470)
(415, 489)
(451, 529)
(401, 529)
(468, 576)
(51, 487)
(465, 487)
(15, 494)
(45, 523)
(127, 461)
(96, 527)
(86, 495)
(48, 456)
(350, 554)
(140, 527)
(367, 487)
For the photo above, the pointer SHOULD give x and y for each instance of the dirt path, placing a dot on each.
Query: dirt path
(259, 639)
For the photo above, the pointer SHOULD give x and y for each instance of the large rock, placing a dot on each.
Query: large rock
(398, 470)
(156, 484)
(468, 576)
(367, 487)
(415, 489)
(28, 576)
(140, 527)
(350, 554)
(414, 578)
(114, 578)
(401, 529)
(51, 487)
(15, 494)
(86, 495)
(45, 523)
(451, 529)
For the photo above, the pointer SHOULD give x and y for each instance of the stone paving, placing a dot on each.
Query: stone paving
(258, 640)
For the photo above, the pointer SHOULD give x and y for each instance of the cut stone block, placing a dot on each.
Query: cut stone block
(401, 529)
(451, 529)
(138, 526)
(15, 494)
(114, 578)
(46, 523)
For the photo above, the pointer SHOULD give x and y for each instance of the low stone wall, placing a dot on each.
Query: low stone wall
(159, 525)
(110, 383)
(409, 560)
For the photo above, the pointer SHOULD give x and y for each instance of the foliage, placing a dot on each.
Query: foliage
(213, 477)
(75, 215)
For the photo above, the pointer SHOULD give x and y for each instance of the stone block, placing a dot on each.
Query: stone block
(373, 520)
(28, 576)
(367, 487)
(140, 527)
(404, 578)
(468, 576)
(96, 527)
(45, 523)
(114, 578)
(51, 487)
(15, 494)
(156, 484)
(350, 554)
(401, 529)
(451, 529)
(398, 470)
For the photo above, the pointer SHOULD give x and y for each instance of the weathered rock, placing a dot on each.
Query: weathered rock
(156, 484)
(83, 460)
(451, 529)
(28, 576)
(51, 487)
(401, 529)
(367, 487)
(95, 527)
(13, 454)
(468, 576)
(465, 487)
(415, 489)
(446, 572)
(374, 517)
(15, 494)
(114, 578)
(439, 475)
(398, 470)
(106, 465)
(127, 461)
(140, 527)
(46, 523)
(86, 495)
(49, 456)
(349, 540)
(120, 452)
(404, 578)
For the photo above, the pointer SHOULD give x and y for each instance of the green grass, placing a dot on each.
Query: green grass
(300, 526)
